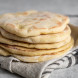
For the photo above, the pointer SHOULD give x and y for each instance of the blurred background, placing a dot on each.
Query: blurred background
(68, 7)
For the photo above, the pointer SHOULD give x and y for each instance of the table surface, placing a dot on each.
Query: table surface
(67, 7)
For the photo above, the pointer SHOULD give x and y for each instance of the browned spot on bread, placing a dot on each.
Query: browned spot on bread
(42, 19)
(11, 25)
(59, 23)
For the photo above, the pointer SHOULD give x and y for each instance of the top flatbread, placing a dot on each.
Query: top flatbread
(49, 38)
(33, 24)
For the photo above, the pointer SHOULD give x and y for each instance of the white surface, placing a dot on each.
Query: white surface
(60, 6)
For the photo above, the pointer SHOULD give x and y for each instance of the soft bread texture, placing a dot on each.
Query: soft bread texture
(33, 52)
(34, 36)
(49, 38)
(4, 52)
(36, 58)
(36, 46)
(33, 24)
(42, 58)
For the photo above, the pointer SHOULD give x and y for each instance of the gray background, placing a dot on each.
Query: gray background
(59, 6)
(67, 7)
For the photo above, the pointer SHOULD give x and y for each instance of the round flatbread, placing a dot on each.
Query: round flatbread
(36, 58)
(33, 24)
(50, 38)
(42, 58)
(33, 52)
(36, 46)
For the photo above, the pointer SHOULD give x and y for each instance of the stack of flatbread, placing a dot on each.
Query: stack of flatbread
(34, 36)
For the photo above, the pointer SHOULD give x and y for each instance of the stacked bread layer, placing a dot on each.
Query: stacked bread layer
(34, 36)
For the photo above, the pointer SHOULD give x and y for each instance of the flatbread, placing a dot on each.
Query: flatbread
(42, 58)
(36, 58)
(36, 46)
(33, 52)
(50, 38)
(4, 52)
(33, 24)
